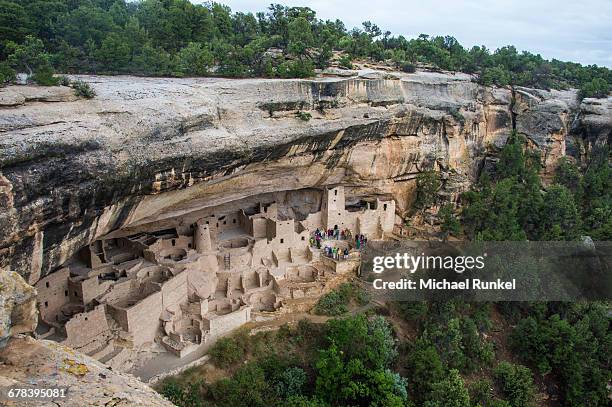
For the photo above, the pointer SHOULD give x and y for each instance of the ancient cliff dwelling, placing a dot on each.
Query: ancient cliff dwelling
(185, 285)
(160, 216)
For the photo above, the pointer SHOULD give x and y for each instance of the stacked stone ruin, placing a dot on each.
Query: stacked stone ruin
(184, 286)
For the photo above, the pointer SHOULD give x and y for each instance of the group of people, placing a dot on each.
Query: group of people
(336, 233)
(360, 241)
(337, 253)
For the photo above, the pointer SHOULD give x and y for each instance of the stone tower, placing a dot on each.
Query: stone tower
(201, 237)
(333, 207)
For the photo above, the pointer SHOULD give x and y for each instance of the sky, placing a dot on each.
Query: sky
(579, 31)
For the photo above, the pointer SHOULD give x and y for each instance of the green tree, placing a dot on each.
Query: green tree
(516, 383)
(450, 224)
(353, 368)
(596, 88)
(568, 175)
(427, 186)
(7, 74)
(301, 401)
(300, 36)
(28, 57)
(114, 54)
(424, 368)
(291, 382)
(14, 23)
(450, 392)
(559, 219)
(496, 75)
(195, 59)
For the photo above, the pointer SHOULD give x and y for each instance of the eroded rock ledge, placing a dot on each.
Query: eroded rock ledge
(26, 362)
(148, 150)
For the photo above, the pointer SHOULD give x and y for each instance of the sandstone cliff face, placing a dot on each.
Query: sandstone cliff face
(150, 150)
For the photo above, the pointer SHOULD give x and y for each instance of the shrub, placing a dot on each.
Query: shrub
(290, 382)
(226, 352)
(7, 74)
(305, 116)
(248, 387)
(450, 224)
(333, 303)
(183, 396)
(45, 77)
(83, 89)
(427, 185)
(408, 67)
(516, 383)
(336, 302)
(64, 81)
(345, 62)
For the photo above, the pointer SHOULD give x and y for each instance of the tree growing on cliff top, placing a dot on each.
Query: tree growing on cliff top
(80, 36)
(28, 57)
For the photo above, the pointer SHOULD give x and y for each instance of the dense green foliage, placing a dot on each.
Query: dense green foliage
(512, 204)
(226, 352)
(451, 341)
(345, 362)
(427, 186)
(176, 37)
(353, 367)
(569, 341)
(574, 342)
(516, 383)
(450, 225)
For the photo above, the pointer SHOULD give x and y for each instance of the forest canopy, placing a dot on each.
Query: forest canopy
(178, 38)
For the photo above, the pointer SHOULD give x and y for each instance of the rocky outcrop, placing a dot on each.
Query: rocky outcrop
(26, 362)
(148, 151)
(19, 95)
(29, 363)
(18, 313)
(593, 127)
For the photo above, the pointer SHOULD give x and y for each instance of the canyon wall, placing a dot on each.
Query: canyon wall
(147, 151)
